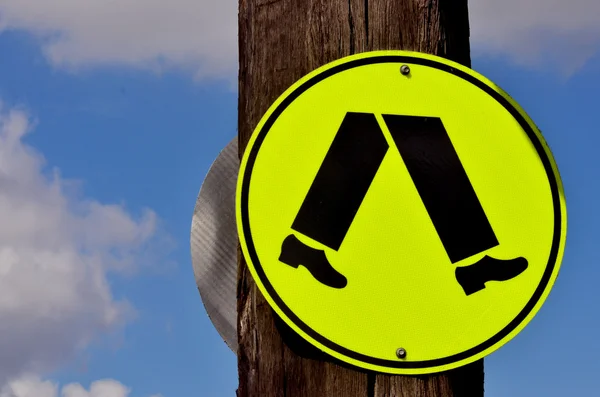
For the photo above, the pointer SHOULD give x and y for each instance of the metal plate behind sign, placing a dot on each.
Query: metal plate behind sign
(214, 241)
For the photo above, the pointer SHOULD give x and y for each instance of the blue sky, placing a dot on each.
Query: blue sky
(115, 302)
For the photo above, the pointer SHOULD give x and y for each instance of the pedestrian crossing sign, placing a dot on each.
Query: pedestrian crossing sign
(401, 212)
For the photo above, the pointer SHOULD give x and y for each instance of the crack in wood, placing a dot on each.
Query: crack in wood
(351, 24)
(267, 3)
(366, 11)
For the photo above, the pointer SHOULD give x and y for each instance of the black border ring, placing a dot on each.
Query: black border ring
(538, 144)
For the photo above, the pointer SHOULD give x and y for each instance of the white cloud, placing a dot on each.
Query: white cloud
(196, 34)
(201, 35)
(555, 33)
(56, 250)
(99, 388)
(29, 386)
(33, 386)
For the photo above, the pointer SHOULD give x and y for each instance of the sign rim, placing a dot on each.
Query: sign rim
(358, 359)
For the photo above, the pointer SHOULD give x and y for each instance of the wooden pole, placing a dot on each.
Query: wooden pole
(279, 42)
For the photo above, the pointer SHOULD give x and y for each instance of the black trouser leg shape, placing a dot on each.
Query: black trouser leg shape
(450, 200)
(335, 196)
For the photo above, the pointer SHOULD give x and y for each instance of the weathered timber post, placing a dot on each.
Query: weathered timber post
(279, 42)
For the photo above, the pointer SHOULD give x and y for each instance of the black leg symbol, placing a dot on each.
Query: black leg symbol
(335, 196)
(450, 200)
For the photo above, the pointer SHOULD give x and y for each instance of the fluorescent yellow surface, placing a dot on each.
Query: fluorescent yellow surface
(401, 289)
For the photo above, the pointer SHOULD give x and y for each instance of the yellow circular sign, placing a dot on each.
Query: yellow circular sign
(401, 212)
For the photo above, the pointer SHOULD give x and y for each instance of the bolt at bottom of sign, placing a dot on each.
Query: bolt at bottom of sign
(401, 352)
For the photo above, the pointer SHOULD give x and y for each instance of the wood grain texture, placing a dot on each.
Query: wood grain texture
(279, 42)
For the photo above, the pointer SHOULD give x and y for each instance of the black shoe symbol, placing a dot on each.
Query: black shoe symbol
(295, 253)
(473, 278)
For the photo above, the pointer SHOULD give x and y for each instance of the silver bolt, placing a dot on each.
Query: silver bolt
(401, 352)
(404, 69)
